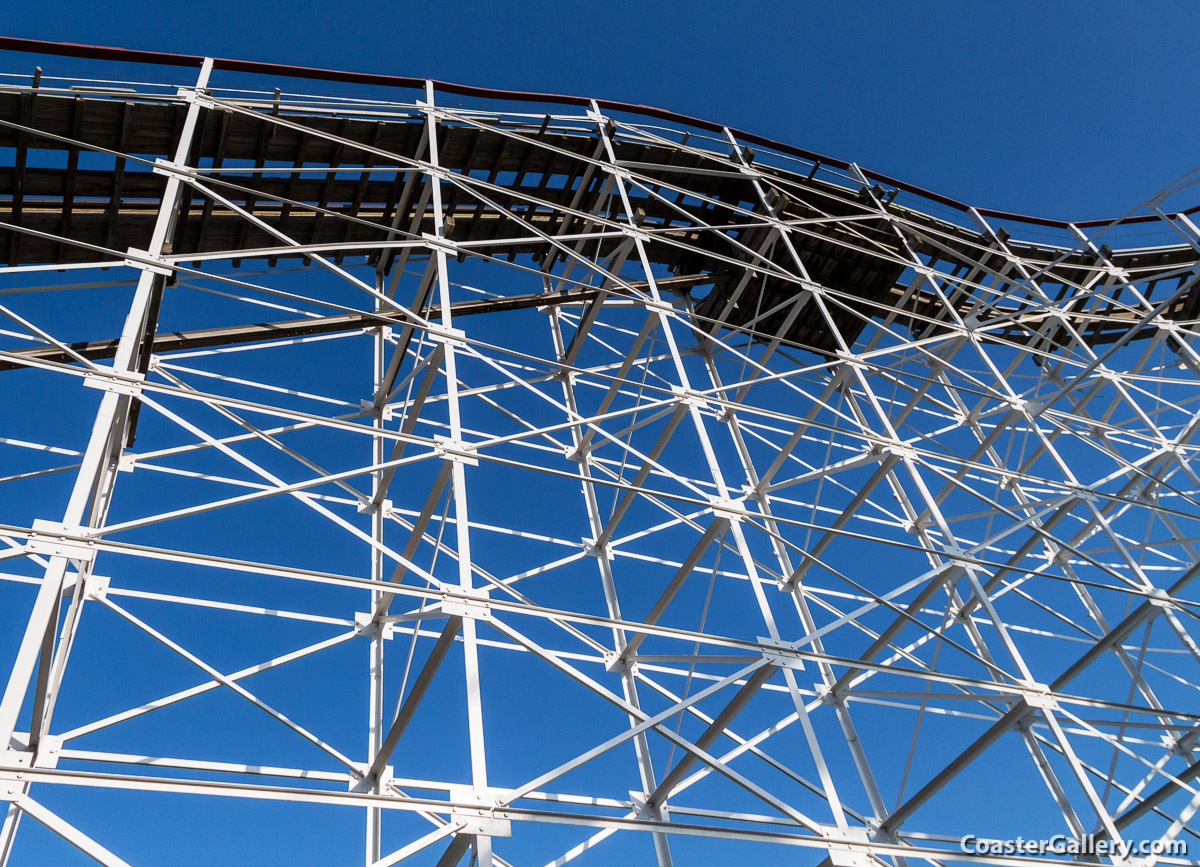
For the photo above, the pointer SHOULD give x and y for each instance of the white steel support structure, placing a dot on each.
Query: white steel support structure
(43, 645)
(690, 499)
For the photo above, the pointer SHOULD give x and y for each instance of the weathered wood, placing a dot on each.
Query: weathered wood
(115, 209)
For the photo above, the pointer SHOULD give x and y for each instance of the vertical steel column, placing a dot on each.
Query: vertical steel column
(479, 783)
(97, 471)
(375, 721)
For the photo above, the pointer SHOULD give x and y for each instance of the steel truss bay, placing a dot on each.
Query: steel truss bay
(675, 495)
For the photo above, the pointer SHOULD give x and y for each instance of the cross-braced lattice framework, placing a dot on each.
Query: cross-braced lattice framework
(599, 489)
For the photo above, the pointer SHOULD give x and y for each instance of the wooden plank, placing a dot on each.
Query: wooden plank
(114, 203)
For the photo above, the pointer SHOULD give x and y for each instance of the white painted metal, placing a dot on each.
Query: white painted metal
(746, 590)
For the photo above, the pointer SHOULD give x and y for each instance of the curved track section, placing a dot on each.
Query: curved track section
(460, 476)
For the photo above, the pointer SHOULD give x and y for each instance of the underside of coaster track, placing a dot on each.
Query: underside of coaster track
(621, 487)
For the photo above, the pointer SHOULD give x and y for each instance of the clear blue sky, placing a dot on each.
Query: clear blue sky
(1068, 109)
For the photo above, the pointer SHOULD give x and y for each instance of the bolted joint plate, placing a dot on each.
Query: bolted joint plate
(13, 762)
(365, 625)
(899, 450)
(455, 450)
(616, 663)
(366, 507)
(731, 510)
(689, 397)
(167, 168)
(1160, 598)
(475, 607)
(482, 823)
(577, 455)
(1038, 695)
(590, 549)
(114, 381)
(147, 261)
(94, 586)
(433, 242)
(455, 337)
(661, 307)
(851, 849)
(657, 812)
(783, 654)
(476, 808)
(53, 539)
(367, 784)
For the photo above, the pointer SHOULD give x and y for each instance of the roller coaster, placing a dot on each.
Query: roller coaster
(423, 472)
